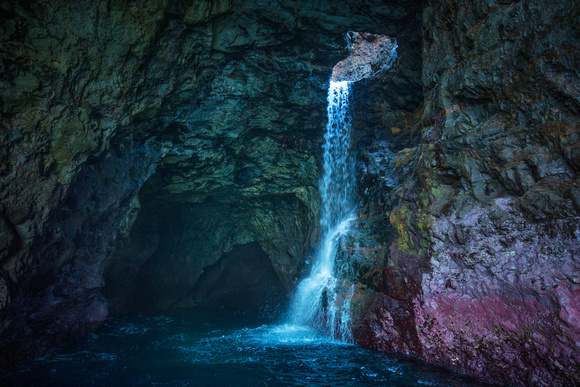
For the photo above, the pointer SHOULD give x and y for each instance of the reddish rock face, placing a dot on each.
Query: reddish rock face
(482, 273)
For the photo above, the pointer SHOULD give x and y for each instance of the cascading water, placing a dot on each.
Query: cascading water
(317, 301)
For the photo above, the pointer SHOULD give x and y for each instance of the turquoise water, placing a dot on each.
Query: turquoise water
(217, 348)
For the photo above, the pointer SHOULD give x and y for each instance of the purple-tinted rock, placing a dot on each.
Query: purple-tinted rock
(485, 206)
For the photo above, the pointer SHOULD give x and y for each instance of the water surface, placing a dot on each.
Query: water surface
(216, 348)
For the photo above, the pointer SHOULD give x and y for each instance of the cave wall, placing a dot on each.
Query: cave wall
(510, 212)
(142, 142)
(123, 120)
(479, 266)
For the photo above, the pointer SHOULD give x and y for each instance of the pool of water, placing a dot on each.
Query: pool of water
(217, 348)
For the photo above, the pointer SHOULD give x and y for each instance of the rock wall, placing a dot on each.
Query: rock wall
(143, 140)
(480, 268)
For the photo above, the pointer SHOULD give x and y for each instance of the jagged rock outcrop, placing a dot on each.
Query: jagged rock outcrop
(370, 55)
(480, 270)
(143, 140)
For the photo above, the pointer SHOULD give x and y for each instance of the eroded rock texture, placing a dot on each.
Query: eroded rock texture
(483, 272)
(143, 141)
(370, 55)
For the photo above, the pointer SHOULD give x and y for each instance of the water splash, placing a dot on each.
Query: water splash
(317, 301)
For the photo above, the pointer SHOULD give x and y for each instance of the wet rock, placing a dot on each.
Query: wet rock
(483, 205)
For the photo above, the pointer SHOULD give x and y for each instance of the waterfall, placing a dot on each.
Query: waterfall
(317, 301)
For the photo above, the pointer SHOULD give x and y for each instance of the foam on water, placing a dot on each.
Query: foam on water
(209, 348)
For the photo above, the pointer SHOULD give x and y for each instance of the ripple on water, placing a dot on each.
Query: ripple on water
(207, 350)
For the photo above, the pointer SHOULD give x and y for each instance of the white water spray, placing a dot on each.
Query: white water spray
(317, 301)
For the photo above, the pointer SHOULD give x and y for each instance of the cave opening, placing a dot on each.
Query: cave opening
(189, 255)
